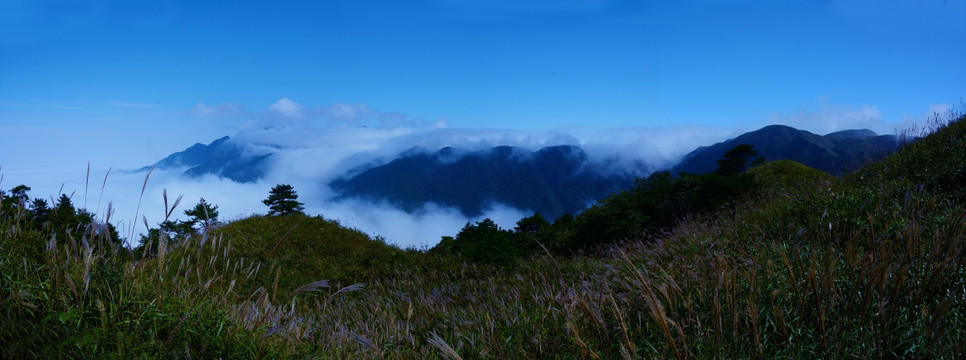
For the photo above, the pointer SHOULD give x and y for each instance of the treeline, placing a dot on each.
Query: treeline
(62, 220)
(654, 204)
(66, 222)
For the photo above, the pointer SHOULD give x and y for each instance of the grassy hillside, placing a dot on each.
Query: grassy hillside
(869, 265)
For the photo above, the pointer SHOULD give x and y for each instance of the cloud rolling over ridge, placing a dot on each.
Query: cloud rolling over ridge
(310, 147)
(309, 151)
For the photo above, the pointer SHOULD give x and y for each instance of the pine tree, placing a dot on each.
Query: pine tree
(19, 195)
(40, 210)
(204, 213)
(735, 161)
(283, 200)
(16, 199)
(63, 215)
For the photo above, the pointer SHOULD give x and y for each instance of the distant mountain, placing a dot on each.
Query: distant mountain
(553, 180)
(835, 153)
(222, 158)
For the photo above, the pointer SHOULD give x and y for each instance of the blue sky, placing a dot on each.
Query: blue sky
(124, 83)
(493, 64)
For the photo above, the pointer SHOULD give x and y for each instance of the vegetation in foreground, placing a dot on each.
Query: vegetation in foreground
(801, 265)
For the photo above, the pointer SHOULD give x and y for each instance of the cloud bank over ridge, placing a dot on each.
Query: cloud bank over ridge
(311, 146)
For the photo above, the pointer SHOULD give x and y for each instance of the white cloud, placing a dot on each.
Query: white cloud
(653, 147)
(134, 105)
(422, 228)
(288, 108)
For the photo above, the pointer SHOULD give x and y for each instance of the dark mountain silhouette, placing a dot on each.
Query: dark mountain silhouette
(221, 157)
(553, 181)
(835, 153)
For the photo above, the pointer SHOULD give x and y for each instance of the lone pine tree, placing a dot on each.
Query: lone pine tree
(283, 200)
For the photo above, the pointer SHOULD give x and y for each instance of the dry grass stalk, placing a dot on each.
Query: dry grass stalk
(627, 347)
(656, 309)
(140, 197)
(441, 345)
(279, 243)
(368, 344)
(310, 286)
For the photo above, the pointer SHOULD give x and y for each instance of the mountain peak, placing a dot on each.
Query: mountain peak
(222, 158)
(777, 127)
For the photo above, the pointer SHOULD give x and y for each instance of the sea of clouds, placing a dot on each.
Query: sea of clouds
(313, 146)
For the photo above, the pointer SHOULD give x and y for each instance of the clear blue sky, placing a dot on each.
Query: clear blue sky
(124, 83)
(495, 64)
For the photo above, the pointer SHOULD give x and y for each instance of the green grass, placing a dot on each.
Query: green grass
(870, 265)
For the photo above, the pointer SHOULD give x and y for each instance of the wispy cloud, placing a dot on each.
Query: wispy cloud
(225, 110)
(828, 117)
(41, 105)
(133, 105)
(362, 114)
(286, 112)
(348, 112)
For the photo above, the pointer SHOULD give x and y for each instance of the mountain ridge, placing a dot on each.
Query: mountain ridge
(553, 180)
(835, 153)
